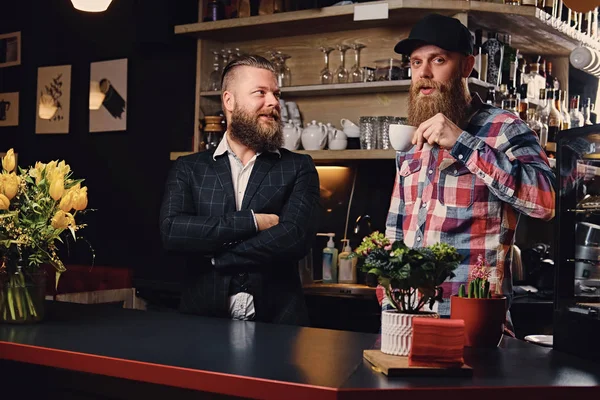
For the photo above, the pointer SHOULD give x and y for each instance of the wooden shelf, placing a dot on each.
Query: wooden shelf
(342, 155)
(348, 88)
(531, 29)
(327, 155)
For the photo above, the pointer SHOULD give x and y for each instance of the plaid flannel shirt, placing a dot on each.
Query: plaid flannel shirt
(471, 195)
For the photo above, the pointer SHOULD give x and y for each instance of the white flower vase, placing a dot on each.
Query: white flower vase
(396, 331)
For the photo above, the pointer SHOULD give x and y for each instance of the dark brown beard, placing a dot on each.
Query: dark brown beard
(247, 130)
(450, 98)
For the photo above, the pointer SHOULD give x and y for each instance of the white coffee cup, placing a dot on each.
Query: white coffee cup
(401, 137)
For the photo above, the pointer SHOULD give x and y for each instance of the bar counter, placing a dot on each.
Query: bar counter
(102, 351)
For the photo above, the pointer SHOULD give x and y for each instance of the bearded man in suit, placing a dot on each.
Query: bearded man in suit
(245, 212)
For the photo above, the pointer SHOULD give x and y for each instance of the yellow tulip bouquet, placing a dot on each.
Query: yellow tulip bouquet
(38, 206)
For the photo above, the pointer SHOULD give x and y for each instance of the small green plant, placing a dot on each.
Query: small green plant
(479, 287)
(411, 277)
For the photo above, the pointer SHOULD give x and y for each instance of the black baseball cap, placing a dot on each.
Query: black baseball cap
(439, 30)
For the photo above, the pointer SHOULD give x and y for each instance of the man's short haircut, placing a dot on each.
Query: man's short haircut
(250, 60)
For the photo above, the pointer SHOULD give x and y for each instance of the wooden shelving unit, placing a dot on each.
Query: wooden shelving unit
(301, 34)
(532, 30)
(328, 155)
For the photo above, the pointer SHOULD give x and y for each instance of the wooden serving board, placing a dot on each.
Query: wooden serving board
(398, 366)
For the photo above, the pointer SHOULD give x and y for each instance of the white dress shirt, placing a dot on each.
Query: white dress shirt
(241, 305)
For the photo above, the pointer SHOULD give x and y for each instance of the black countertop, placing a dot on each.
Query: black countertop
(273, 361)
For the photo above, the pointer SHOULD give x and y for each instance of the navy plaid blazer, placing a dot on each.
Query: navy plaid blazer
(198, 217)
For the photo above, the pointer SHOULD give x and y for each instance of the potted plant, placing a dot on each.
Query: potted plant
(411, 278)
(484, 313)
(38, 207)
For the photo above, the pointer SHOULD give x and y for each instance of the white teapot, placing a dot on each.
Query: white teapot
(291, 136)
(314, 136)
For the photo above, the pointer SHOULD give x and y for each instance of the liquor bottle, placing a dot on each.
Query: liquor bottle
(562, 108)
(495, 51)
(551, 81)
(523, 104)
(586, 111)
(542, 114)
(554, 118)
(542, 63)
(536, 82)
(577, 118)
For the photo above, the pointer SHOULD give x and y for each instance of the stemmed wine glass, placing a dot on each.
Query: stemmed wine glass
(326, 75)
(286, 73)
(214, 82)
(342, 73)
(356, 72)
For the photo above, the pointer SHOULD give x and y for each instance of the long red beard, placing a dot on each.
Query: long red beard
(450, 98)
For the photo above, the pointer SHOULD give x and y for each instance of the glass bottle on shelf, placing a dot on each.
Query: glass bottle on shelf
(577, 118)
(551, 81)
(564, 109)
(587, 110)
(523, 106)
(536, 82)
(342, 73)
(554, 118)
(326, 75)
(495, 52)
(356, 72)
(543, 111)
(564, 116)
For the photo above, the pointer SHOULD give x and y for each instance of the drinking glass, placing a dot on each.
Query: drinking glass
(342, 73)
(356, 72)
(326, 75)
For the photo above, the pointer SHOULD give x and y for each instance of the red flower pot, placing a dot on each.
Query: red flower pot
(484, 319)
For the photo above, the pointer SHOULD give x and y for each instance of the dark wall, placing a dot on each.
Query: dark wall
(124, 171)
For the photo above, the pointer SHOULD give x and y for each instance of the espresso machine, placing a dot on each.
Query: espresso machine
(576, 323)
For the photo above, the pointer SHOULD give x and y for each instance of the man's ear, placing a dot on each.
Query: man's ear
(228, 101)
(467, 66)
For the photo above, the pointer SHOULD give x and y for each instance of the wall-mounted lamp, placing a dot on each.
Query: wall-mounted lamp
(96, 96)
(47, 107)
(586, 59)
(91, 5)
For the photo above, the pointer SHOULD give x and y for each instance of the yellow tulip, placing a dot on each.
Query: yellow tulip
(36, 172)
(11, 185)
(8, 162)
(57, 188)
(63, 168)
(80, 199)
(4, 202)
(62, 220)
(66, 203)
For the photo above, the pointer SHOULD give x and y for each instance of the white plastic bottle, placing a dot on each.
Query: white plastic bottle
(347, 266)
(330, 259)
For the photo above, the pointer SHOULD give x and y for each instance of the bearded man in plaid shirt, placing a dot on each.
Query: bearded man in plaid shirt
(473, 169)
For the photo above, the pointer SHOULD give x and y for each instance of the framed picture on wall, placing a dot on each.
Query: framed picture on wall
(10, 49)
(9, 109)
(53, 101)
(108, 96)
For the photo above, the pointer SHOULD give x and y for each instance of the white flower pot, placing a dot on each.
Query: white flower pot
(396, 331)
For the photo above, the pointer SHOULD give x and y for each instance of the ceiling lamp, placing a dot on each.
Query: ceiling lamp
(91, 5)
